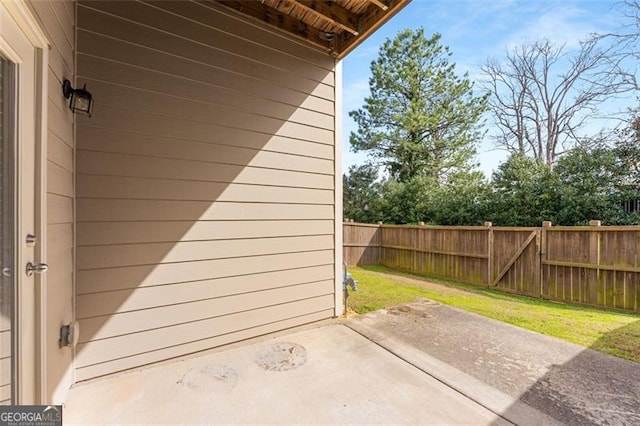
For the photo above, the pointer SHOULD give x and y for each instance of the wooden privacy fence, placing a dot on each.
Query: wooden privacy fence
(594, 265)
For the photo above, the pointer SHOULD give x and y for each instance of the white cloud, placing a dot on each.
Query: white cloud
(562, 24)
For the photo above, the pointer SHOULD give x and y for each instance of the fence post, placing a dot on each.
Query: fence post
(542, 250)
(416, 238)
(381, 246)
(418, 266)
(594, 259)
(546, 225)
(489, 227)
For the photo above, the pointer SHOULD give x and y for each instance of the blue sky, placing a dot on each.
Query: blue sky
(475, 30)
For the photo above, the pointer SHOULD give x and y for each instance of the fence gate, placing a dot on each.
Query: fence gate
(514, 260)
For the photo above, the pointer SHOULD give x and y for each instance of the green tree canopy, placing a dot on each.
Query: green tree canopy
(589, 181)
(462, 200)
(407, 202)
(524, 193)
(361, 194)
(420, 119)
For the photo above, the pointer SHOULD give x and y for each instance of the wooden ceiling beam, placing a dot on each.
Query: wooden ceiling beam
(283, 21)
(370, 22)
(350, 27)
(333, 13)
(380, 4)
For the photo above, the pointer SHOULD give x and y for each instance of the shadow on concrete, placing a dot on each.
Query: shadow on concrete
(526, 377)
(591, 387)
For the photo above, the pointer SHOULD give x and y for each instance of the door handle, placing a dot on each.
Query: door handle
(38, 268)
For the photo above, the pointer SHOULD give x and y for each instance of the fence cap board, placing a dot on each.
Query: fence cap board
(368, 225)
(605, 228)
(437, 227)
(516, 228)
(612, 228)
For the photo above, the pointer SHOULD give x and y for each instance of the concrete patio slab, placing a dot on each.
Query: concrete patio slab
(327, 374)
(527, 377)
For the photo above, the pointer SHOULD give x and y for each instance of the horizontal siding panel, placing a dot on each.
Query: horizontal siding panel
(70, 6)
(238, 145)
(5, 394)
(59, 237)
(182, 140)
(146, 25)
(59, 123)
(92, 257)
(98, 210)
(154, 50)
(59, 180)
(106, 233)
(56, 34)
(5, 344)
(237, 92)
(97, 280)
(58, 67)
(226, 108)
(5, 322)
(100, 163)
(59, 209)
(60, 276)
(136, 343)
(210, 22)
(55, 98)
(244, 154)
(5, 368)
(114, 365)
(100, 304)
(228, 20)
(166, 316)
(59, 152)
(157, 189)
(173, 126)
(209, 113)
(62, 8)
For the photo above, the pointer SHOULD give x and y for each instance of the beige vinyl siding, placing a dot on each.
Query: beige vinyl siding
(205, 183)
(56, 18)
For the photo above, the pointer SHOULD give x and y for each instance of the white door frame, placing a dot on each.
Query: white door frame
(31, 349)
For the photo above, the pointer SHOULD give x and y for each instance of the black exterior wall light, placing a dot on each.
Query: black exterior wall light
(80, 100)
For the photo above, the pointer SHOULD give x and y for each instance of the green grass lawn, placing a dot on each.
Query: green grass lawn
(612, 332)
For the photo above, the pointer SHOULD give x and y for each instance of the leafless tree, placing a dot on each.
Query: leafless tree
(627, 37)
(543, 94)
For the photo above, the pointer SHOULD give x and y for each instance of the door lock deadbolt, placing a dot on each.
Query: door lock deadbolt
(30, 240)
(38, 268)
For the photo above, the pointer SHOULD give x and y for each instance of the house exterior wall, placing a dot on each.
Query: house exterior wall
(205, 183)
(56, 18)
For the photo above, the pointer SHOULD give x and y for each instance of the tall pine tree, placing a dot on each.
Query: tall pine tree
(420, 119)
